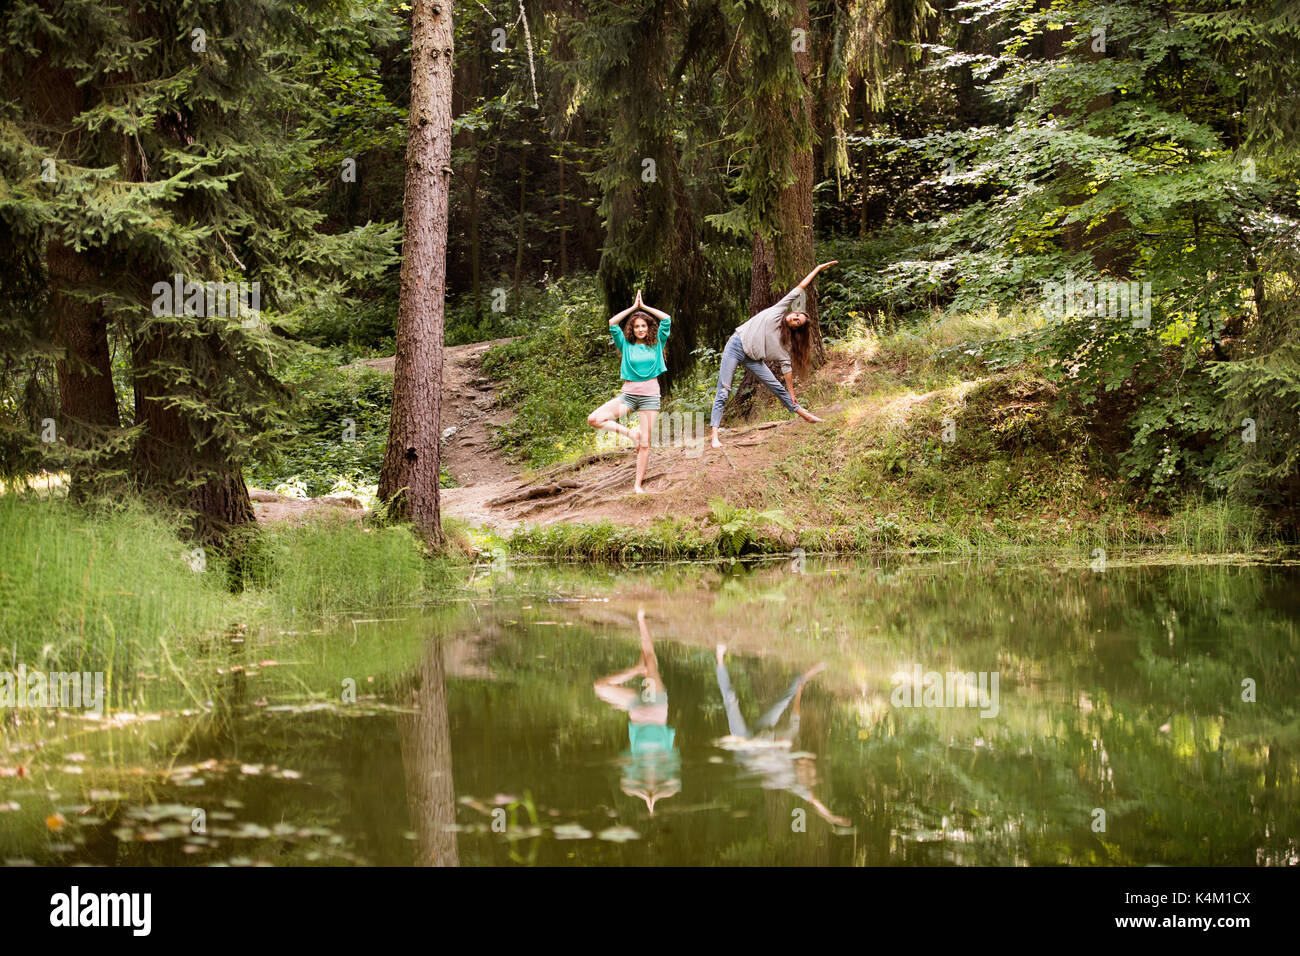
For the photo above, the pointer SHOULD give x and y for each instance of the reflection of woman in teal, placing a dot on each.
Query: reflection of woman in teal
(652, 765)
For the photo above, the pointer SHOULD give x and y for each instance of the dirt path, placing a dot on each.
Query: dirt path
(491, 492)
(468, 415)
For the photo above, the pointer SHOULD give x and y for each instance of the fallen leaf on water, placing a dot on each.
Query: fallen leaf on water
(572, 831)
(619, 834)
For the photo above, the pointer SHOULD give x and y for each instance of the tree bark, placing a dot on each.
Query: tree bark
(519, 233)
(792, 244)
(87, 400)
(408, 480)
(168, 461)
(564, 225)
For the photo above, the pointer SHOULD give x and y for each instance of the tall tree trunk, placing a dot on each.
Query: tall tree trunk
(475, 241)
(87, 400)
(426, 760)
(867, 116)
(408, 480)
(564, 225)
(467, 86)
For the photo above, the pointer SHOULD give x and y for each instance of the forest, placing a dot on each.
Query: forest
(312, 311)
(958, 161)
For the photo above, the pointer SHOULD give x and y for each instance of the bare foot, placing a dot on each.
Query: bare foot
(715, 443)
(813, 671)
(807, 415)
(639, 490)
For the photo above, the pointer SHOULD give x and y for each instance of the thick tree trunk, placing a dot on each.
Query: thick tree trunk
(426, 760)
(169, 462)
(564, 225)
(408, 480)
(87, 400)
(467, 85)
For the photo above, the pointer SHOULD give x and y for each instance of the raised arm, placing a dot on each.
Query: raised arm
(775, 312)
(807, 280)
(616, 319)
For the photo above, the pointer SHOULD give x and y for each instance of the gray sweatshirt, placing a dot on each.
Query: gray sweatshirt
(761, 335)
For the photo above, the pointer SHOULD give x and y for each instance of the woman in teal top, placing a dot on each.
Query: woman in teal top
(640, 331)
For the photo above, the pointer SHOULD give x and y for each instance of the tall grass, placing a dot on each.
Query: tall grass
(110, 590)
(327, 567)
(114, 589)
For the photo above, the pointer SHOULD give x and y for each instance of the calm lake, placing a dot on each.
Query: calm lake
(902, 713)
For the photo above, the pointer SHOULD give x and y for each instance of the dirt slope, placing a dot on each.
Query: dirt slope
(492, 492)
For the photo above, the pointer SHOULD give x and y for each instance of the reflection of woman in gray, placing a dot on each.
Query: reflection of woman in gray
(652, 764)
(766, 754)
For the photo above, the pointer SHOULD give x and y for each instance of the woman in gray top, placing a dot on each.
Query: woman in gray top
(772, 335)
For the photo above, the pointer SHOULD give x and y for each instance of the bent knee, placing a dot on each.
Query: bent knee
(594, 420)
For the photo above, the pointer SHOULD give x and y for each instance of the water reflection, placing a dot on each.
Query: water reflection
(426, 760)
(652, 764)
(1147, 715)
(766, 754)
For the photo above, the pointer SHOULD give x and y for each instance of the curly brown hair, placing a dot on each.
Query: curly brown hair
(652, 328)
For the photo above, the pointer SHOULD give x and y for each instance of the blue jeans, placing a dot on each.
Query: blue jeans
(733, 355)
(736, 723)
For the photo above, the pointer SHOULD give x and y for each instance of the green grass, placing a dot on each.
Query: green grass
(114, 589)
(106, 591)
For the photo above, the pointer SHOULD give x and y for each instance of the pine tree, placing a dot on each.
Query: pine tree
(161, 141)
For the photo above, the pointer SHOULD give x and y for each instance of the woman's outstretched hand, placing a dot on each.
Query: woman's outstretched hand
(827, 265)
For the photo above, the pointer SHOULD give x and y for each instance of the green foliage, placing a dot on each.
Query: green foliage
(1115, 164)
(744, 529)
(113, 590)
(663, 540)
(553, 377)
(113, 587)
(329, 567)
(337, 427)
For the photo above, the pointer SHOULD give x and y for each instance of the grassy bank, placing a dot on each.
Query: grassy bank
(114, 589)
(946, 436)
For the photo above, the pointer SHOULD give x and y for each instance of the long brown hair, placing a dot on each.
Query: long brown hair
(798, 343)
(652, 328)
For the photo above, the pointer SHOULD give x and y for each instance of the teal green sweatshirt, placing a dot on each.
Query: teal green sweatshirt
(642, 362)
